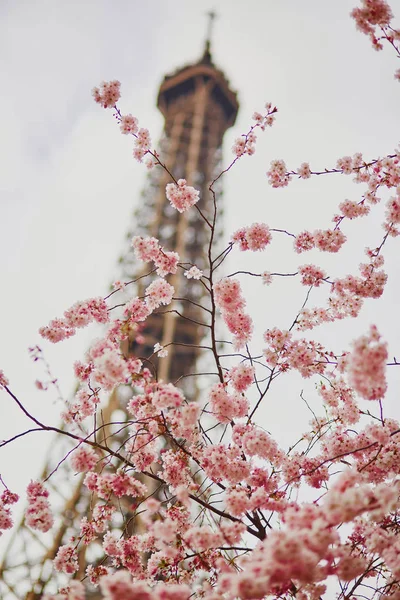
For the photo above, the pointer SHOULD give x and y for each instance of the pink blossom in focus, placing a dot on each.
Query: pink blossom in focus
(311, 275)
(329, 240)
(159, 292)
(166, 396)
(142, 144)
(241, 376)
(225, 406)
(129, 124)
(277, 174)
(193, 273)
(66, 559)
(181, 195)
(304, 171)
(304, 241)
(228, 297)
(352, 210)
(256, 237)
(145, 248)
(108, 94)
(79, 315)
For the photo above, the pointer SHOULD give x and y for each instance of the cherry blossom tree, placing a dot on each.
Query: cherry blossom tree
(241, 515)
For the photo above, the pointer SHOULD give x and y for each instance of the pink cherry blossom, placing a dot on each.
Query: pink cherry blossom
(108, 94)
(304, 171)
(129, 124)
(38, 514)
(367, 366)
(159, 292)
(83, 459)
(193, 273)
(6, 499)
(256, 237)
(66, 559)
(277, 174)
(181, 195)
(311, 275)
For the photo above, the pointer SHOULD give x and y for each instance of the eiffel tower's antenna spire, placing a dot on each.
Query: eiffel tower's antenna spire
(207, 47)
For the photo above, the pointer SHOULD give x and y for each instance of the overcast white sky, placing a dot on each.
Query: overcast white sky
(69, 185)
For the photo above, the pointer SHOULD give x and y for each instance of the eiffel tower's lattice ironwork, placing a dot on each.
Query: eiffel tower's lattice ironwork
(198, 107)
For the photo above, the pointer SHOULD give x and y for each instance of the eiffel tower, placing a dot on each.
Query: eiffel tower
(198, 107)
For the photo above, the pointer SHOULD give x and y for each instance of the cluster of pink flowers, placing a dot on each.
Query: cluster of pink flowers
(181, 195)
(347, 294)
(255, 237)
(304, 171)
(7, 498)
(183, 422)
(392, 222)
(38, 513)
(293, 553)
(328, 240)
(214, 482)
(129, 124)
(193, 273)
(339, 400)
(245, 144)
(142, 144)
(256, 442)
(118, 484)
(311, 275)
(108, 94)
(66, 559)
(221, 462)
(166, 395)
(136, 310)
(75, 590)
(82, 371)
(367, 366)
(148, 249)
(352, 210)
(159, 292)
(225, 406)
(79, 315)
(307, 356)
(110, 369)
(84, 405)
(229, 298)
(175, 469)
(348, 164)
(241, 376)
(308, 548)
(267, 119)
(106, 367)
(278, 175)
(84, 459)
(374, 13)
(121, 585)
